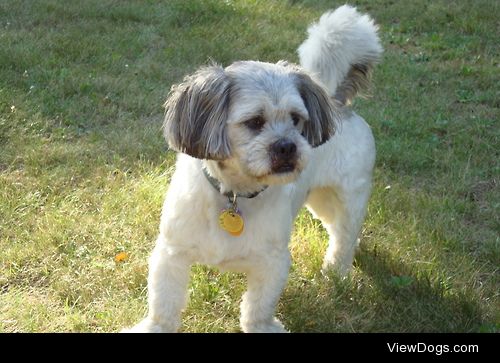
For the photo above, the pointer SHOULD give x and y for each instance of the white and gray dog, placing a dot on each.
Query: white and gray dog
(256, 142)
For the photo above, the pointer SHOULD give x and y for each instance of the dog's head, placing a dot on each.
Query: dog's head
(264, 118)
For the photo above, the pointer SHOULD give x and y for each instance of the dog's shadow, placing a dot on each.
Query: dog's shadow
(380, 295)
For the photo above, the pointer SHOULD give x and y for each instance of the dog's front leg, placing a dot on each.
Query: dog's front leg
(265, 282)
(167, 290)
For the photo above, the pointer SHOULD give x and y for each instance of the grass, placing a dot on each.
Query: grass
(83, 167)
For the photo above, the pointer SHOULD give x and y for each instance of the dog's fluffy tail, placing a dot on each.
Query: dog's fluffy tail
(341, 50)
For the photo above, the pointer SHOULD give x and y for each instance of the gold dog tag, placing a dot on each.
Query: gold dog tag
(231, 222)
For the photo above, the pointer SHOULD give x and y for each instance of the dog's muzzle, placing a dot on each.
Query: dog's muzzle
(283, 156)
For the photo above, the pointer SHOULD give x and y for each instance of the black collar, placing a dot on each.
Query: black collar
(216, 184)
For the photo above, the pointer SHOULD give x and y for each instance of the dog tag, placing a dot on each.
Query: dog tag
(231, 222)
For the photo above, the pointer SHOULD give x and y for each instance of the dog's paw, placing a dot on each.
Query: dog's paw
(273, 326)
(341, 268)
(150, 326)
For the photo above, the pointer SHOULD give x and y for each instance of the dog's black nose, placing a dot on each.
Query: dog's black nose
(283, 156)
(284, 149)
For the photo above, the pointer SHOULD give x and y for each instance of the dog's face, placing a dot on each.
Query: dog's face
(261, 119)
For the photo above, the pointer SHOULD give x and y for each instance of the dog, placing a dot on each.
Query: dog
(256, 142)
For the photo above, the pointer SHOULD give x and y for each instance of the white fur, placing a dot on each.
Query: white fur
(333, 180)
(342, 37)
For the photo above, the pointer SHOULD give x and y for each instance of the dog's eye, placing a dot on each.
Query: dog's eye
(295, 119)
(255, 123)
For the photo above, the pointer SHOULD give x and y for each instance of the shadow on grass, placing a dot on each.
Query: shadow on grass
(383, 295)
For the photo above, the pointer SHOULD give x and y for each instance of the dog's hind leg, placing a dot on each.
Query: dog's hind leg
(342, 213)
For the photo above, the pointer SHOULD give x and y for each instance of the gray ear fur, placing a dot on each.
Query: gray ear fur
(322, 112)
(196, 114)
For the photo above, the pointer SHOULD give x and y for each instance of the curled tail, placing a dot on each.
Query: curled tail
(342, 49)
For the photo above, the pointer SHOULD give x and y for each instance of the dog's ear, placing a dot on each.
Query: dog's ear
(196, 114)
(323, 114)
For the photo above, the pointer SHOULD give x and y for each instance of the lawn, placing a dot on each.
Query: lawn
(84, 168)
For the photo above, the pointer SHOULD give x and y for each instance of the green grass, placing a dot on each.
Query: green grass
(83, 167)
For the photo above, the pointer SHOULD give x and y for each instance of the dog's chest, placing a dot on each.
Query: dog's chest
(267, 226)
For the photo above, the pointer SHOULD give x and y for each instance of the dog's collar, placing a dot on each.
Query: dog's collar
(230, 194)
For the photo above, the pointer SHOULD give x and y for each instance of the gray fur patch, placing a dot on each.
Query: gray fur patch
(196, 114)
(356, 81)
(322, 112)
